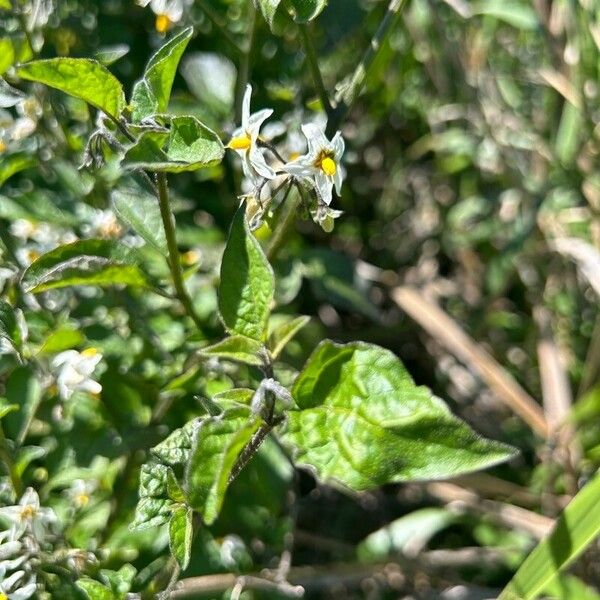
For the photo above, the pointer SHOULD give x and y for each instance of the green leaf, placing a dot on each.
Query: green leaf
(282, 334)
(218, 442)
(13, 50)
(176, 448)
(234, 398)
(518, 14)
(363, 422)
(63, 338)
(80, 77)
(151, 512)
(94, 590)
(151, 94)
(84, 262)
(153, 480)
(307, 10)
(15, 163)
(268, 8)
(180, 535)
(575, 529)
(25, 456)
(141, 212)
(22, 388)
(238, 348)
(568, 587)
(9, 328)
(247, 282)
(190, 146)
(408, 533)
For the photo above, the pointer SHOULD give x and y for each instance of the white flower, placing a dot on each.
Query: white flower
(167, 12)
(245, 141)
(321, 165)
(28, 515)
(80, 492)
(75, 370)
(8, 589)
(104, 224)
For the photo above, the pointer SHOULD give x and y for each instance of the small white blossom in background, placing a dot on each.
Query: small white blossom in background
(75, 370)
(81, 492)
(168, 12)
(28, 517)
(103, 224)
(244, 141)
(321, 166)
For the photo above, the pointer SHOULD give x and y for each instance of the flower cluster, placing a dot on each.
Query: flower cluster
(28, 524)
(168, 12)
(75, 371)
(319, 170)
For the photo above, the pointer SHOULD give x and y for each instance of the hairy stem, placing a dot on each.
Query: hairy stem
(313, 63)
(174, 265)
(346, 98)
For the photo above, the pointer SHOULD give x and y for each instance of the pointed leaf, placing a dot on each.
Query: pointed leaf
(247, 283)
(364, 422)
(140, 211)
(218, 442)
(80, 77)
(237, 348)
(9, 328)
(151, 94)
(180, 535)
(268, 8)
(307, 10)
(284, 333)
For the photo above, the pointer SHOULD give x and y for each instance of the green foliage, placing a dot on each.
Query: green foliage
(237, 348)
(247, 282)
(80, 77)
(363, 422)
(576, 528)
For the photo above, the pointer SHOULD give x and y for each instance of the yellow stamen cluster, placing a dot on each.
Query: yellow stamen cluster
(89, 352)
(3, 596)
(191, 257)
(326, 163)
(3, 148)
(81, 500)
(240, 142)
(162, 23)
(28, 512)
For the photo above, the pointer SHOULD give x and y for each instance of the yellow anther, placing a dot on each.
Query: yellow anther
(294, 155)
(162, 23)
(191, 257)
(328, 166)
(32, 255)
(240, 142)
(81, 500)
(3, 596)
(89, 352)
(3, 148)
(28, 512)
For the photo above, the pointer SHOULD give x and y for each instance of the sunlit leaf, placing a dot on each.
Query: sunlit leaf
(180, 535)
(363, 422)
(80, 77)
(247, 283)
(238, 348)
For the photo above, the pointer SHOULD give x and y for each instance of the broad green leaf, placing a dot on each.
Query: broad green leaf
(151, 94)
(283, 333)
(15, 163)
(13, 50)
(110, 54)
(234, 398)
(80, 77)
(9, 328)
(63, 338)
(518, 14)
(84, 262)
(141, 212)
(153, 480)
(268, 8)
(575, 529)
(190, 146)
(94, 590)
(238, 348)
(176, 448)
(568, 587)
(307, 10)
(180, 535)
(247, 283)
(363, 422)
(408, 533)
(151, 512)
(218, 442)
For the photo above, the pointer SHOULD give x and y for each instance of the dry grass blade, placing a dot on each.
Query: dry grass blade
(447, 332)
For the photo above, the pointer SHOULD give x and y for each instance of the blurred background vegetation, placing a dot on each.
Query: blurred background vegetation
(470, 237)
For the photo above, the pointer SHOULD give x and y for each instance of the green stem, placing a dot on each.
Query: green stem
(174, 265)
(282, 230)
(244, 70)
(313, 63)
(346, 98)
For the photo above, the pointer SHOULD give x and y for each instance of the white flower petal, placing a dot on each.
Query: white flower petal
(324, 185)
(24, 593)
(338, 145)
(256, 120)
(258, 162)
(315, 137)
(246, 107)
